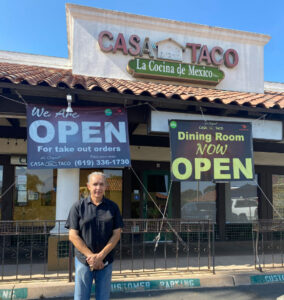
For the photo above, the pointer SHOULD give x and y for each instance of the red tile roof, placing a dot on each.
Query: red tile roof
(34, 75)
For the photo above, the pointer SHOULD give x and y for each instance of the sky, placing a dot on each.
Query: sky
(39, 26)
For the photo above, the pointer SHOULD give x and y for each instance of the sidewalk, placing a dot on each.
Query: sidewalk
(225, 276)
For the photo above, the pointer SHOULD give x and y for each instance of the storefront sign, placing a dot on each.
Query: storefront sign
(87, 138)
(198, 53)
(139, 67)
(208, 151)
(18, 160)
(165, 57)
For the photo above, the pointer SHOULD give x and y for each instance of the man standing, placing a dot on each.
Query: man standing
(94, 225)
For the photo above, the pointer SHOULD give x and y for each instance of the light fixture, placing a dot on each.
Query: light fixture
(69, 100)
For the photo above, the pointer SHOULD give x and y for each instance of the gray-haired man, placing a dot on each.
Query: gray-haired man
(94, 225)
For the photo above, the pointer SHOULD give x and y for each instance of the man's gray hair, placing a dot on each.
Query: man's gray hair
(97, 173)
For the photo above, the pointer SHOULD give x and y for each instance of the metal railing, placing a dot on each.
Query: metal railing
(24, 247)
(150, 244)
(268, 244)
(40, 249)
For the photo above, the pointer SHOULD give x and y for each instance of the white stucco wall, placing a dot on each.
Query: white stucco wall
(274, 86)
(34, 60)
(85, 24)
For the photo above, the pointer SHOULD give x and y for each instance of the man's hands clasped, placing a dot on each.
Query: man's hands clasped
(95, 262)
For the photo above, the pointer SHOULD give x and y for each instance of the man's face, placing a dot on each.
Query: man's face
(97, 186)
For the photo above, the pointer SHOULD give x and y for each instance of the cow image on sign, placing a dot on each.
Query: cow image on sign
(211, 151)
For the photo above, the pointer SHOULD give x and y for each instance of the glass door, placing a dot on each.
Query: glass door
(157, 183)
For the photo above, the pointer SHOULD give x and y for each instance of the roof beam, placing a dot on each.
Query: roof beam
(11, 132)
(14, 122)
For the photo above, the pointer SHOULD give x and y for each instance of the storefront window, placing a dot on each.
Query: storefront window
(278, 195)
(114, 184)
(114, 188)
(157, 184)
(198, 200)
(35, 196)
(242, 202)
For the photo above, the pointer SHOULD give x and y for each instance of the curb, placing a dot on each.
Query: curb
(65, 289)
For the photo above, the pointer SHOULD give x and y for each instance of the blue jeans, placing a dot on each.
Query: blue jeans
(84, 278)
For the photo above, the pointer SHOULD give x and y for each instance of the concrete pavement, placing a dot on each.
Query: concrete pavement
(126, 281)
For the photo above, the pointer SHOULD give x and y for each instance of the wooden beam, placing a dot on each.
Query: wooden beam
(13, 133)
(132, 127)
(149, 140)
(14, 122)
(268, 147)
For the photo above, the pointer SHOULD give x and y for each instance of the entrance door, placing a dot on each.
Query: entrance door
(157, 183)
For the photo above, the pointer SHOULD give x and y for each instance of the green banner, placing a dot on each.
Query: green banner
(162, 69)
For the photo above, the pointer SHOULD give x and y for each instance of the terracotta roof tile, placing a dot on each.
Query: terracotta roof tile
(281, 103)
(33, 75)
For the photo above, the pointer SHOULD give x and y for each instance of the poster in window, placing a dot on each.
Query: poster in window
(22, 179)
(32, 195)
(22, 198)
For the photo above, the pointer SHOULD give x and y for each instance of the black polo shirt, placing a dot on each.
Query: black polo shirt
(95, 224)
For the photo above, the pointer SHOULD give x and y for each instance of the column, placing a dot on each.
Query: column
(67, 193)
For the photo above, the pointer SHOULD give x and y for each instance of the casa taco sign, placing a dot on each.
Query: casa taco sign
(165, 59)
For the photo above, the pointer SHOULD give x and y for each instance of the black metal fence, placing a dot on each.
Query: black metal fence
(268, 243)
(40, 249)
(162, 244)
(24, 248)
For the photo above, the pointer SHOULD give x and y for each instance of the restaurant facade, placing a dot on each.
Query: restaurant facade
(149, 72)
